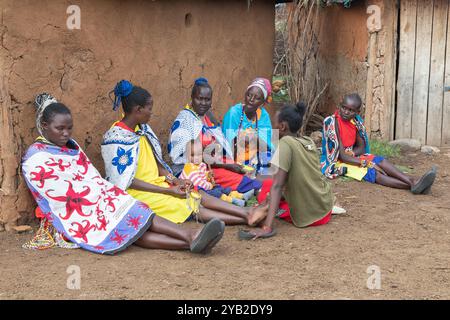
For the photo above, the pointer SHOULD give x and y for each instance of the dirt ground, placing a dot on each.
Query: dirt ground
(406, 236)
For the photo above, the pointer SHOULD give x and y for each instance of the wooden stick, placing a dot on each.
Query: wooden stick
(372, 56)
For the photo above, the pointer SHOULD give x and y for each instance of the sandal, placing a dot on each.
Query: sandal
(424, 182)
(247, 235)
(427, 190)
(211, 233)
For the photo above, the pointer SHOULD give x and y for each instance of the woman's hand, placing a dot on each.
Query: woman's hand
(378, 168)
(177, 191)
(211, 177)
(184, 183)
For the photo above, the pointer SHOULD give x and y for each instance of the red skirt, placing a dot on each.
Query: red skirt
(227, 178)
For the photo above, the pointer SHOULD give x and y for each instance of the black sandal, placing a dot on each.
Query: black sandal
(211, 233)
(425, 182)
(247, 234)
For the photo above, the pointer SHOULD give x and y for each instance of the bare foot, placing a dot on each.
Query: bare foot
(257, 214)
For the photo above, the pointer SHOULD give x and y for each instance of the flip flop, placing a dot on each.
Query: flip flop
(211, 233)
(427, 190)
(212, 243)
(425, 181)
(247, 235)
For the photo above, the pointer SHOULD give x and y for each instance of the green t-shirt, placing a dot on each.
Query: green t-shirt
(308, 192)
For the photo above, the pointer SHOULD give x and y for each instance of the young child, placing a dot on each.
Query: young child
(202, 178)
(346, 145)
(308, 194)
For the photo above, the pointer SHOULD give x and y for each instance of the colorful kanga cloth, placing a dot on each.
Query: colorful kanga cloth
(169, 207)
(237, 125)
(120, 151)
(189, 126)
(330, 144)
(83, 207)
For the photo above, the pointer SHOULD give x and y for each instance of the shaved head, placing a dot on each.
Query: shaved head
(352, 99)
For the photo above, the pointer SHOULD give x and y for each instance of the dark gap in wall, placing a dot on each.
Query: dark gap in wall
(188, 20)
(397, 65)
(429, 72)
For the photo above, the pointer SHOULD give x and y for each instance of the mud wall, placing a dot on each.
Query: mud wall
(160, 45)
(355, 57)
(344, 59)
(343, 40)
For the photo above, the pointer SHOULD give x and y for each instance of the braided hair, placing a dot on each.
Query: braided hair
(200, 83)
(47, 107)
(129, 96)
(293, 115)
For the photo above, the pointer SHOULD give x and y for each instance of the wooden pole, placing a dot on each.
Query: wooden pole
(8, 158)
(371, 60)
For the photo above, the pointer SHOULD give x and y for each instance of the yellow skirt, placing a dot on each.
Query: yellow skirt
(355, 172)
(166, 206)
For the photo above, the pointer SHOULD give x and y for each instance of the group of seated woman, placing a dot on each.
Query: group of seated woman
(215, 169)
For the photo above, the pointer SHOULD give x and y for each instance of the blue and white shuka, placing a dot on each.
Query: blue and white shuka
(120, 152)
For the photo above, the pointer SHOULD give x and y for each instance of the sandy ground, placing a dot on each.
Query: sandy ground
(405, 236)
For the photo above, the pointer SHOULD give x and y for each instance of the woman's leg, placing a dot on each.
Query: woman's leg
(229, 212)
(391, 182)
(207, 214)
(164, 234)
(394, 172)
(164, 226)
(153, 240)
(218, 205)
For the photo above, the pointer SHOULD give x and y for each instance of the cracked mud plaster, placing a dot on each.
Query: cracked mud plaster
(81, 67)
(378, 90)
(8, 154)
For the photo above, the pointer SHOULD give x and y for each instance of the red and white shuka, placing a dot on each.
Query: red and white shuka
(84, 207)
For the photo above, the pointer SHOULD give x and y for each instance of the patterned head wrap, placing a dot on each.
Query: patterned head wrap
(41, 102)
(264, 85)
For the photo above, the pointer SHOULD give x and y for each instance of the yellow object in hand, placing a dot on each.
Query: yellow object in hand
(248, 169)
(194, 199)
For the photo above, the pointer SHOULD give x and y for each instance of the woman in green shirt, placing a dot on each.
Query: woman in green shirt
(298, 178)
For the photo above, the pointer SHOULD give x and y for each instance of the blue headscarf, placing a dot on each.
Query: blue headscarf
(200, 81)
(123, 89)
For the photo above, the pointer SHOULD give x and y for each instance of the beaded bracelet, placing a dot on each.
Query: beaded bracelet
(170, 178)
